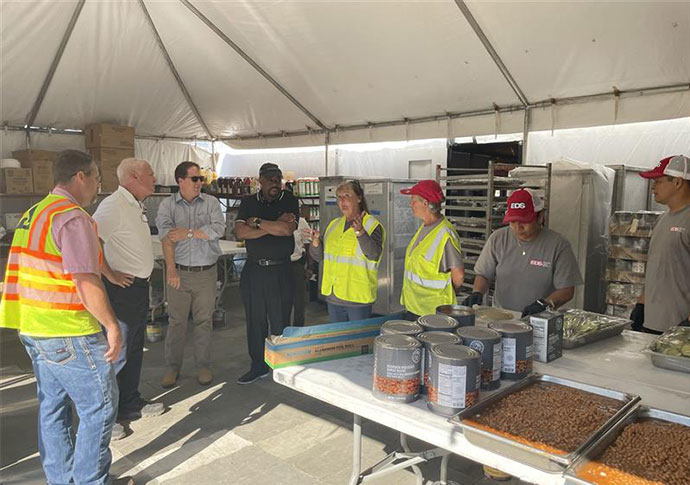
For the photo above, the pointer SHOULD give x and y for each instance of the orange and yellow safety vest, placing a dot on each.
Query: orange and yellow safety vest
(39, 298)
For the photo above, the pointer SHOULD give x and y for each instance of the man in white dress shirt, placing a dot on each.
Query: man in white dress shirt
(123, 228)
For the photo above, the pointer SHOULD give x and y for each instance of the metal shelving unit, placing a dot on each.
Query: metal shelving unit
(476, 202)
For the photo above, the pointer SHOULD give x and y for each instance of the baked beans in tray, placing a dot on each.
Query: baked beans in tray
(543, 421)
(648, 446)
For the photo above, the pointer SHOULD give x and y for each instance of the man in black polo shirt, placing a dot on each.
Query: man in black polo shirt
(266, 222)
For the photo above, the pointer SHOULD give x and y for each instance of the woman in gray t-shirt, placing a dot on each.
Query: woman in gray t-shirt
(534, 268)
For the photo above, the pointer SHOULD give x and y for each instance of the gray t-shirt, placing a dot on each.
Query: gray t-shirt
(667, 278)
(527, 271)
(452, 258)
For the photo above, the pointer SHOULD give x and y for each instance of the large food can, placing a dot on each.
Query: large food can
(428, 340)
(462, 314)
(517, 349)
(443, 323)
(488, 343)
(401, 327)
(453, 378)
(397, 368)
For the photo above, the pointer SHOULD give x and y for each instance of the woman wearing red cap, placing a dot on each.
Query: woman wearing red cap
(433, 261)
(534, 268)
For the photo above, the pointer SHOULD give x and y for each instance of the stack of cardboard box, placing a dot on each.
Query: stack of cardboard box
(109, 145)
(40, 164)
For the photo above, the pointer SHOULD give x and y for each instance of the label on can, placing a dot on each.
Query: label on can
(509, 355)
(497, 361)
(638, 267)
(528, 352)
(451, 385)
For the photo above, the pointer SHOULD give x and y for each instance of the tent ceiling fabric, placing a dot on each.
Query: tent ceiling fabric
(346, 62)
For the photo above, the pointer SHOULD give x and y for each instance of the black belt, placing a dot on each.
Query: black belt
(270, 262)
(194, 268)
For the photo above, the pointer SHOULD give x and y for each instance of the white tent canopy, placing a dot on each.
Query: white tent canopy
(288, 73)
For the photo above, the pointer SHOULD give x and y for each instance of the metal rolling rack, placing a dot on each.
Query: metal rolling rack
(483, 197)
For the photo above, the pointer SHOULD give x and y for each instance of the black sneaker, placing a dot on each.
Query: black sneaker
(141, 409)
(253, 375)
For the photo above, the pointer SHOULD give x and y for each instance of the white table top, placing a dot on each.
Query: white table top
(226, 247)
(617, 363)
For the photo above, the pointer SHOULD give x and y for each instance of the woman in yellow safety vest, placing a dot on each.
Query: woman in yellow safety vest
(433, 261)
(351, 249)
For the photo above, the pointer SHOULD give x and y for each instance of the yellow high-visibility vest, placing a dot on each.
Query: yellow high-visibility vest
(424, 286)
(39, 298)
(347, 273)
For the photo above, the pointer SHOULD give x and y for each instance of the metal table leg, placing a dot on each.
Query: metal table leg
(356, 450)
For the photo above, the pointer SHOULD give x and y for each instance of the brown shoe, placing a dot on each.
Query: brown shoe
(170, 378)
(204, 376)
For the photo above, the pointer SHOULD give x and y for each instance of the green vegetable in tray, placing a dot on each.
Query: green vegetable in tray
(675, 342)
(578, 323)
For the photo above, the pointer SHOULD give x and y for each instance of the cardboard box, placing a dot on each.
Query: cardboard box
(43, 175)
(107, 135)
(303, 345)
(110, 155)
(109, 181)
(547, 331)
(25, 157)
(16, 181)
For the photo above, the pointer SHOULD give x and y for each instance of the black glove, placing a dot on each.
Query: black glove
(637, 317)
(475, 298)
(684, 323)
(536, 307)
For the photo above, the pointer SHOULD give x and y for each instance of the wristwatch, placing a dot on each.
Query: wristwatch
(190, 234)
(257, 223)
(358, 233)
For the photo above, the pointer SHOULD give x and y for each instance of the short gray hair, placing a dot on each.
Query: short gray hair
(435, 208)
(127, 166)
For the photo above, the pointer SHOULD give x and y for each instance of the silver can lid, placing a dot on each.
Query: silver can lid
(510, 328)
(454, 310)
(478, 333)
(454, 352)
(435, 338)
(403, 327)
(438, 322)
(397, 342)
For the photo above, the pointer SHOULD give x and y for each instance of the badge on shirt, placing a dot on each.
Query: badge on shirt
(541, 264)
(678, 229)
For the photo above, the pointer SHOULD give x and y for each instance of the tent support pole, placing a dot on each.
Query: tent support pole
(174, 71)
(31, 118)
(492, 52)
(253, 63)
(525, 136)
(327, 139)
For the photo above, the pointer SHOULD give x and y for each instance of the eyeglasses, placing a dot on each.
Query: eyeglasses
(197, 178)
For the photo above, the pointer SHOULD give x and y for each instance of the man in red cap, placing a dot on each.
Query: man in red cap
(534, 267)
(666, 298)
(433, 261)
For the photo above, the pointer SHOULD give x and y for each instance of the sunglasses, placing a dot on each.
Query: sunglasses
(197, 178)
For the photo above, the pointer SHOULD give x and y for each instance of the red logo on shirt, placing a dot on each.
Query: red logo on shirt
(541, 264)
(678, 229)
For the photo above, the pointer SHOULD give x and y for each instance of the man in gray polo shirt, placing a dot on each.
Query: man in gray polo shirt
(665, 301)
(534, 267)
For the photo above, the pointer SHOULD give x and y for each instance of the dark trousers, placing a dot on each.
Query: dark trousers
(131, 306)
(267, 293)
(300, 292)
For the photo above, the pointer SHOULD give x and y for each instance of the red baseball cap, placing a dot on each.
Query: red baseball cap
(428, 189)
(676, 166)
(523, 206)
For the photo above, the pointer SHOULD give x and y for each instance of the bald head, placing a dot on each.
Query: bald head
(136, 176)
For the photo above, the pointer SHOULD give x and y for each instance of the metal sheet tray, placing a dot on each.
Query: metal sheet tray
(527, 454)
(672, 362)
(598, 447)
(601, 334)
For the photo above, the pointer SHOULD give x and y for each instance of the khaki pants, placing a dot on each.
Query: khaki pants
(198, 293)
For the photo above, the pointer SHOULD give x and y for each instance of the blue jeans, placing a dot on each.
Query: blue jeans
(74, 369)
(342, 313)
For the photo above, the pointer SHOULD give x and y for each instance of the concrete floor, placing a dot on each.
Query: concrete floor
(223, 433)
